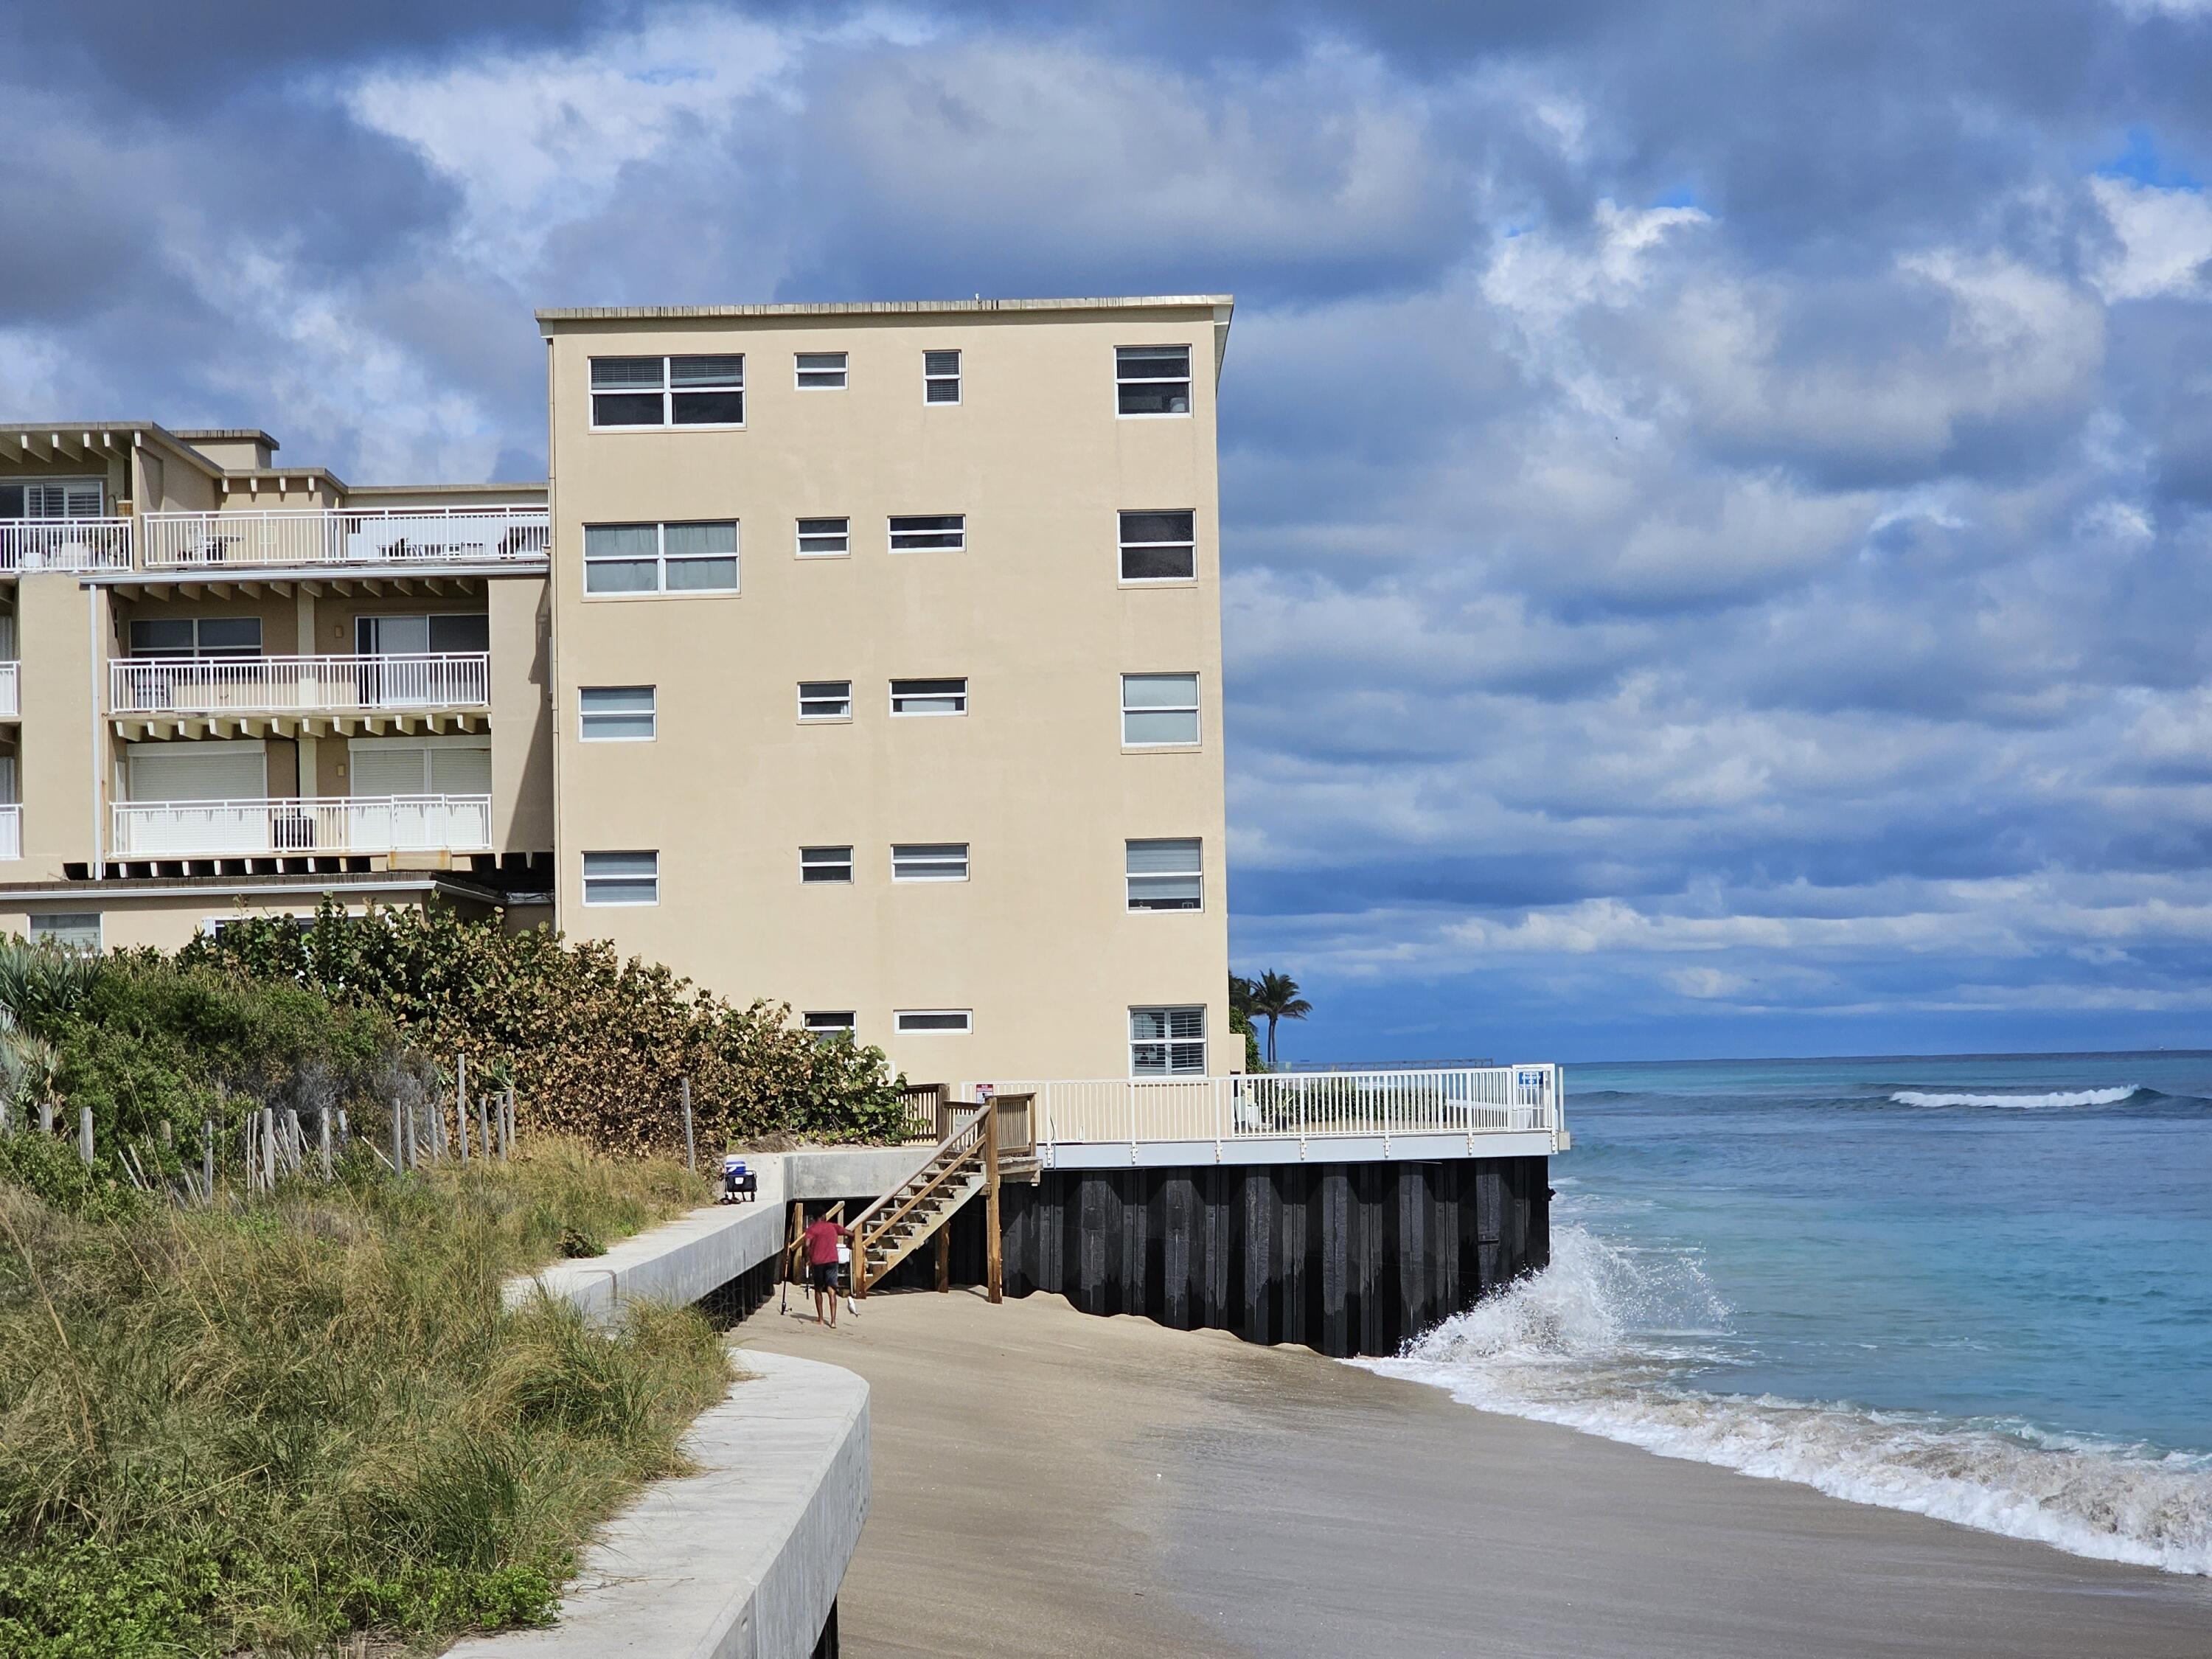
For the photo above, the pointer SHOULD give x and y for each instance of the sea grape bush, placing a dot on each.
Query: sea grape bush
(597, 1047)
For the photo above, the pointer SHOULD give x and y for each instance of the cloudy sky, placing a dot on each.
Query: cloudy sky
(1716, 498)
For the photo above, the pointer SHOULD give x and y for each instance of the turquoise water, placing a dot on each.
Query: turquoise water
(1977, 1287)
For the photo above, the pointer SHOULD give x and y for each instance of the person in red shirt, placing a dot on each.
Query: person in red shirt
(821, 1238)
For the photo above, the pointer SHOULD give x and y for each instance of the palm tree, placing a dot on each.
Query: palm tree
(1275, 996)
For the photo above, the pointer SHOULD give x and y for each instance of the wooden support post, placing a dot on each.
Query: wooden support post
(323, 1128)
(84, 1133)
(461, 1104)
(268, 1150)
(483, 1125)
(399, 1140)
(994, 1249)
(295, 1140)
(859, 1265)
(944, 1259)
(691, 1146)
(507, 1150)
(207, 1157)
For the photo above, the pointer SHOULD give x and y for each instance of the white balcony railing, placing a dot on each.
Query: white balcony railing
(300, 685)
(401, 535)
(1135, 1112)
(11, 691)
(11, 832)
(64, 544)
(363, 823)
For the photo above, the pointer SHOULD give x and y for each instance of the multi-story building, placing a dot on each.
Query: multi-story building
(871, 662)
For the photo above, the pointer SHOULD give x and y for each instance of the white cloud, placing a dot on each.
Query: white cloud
(2165, 241)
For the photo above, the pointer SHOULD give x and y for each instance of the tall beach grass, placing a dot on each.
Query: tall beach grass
(282, 1426)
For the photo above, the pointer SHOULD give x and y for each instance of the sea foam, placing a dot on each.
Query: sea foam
(2024, 1102)
(1591, 1343)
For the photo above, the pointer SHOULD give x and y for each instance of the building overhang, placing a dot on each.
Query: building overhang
(254, 581)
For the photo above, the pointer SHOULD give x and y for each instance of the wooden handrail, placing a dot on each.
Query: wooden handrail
(791, 1272)
(866, 1225)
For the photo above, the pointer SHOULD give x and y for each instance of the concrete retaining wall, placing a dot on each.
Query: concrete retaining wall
(741, 1560)
(683, 1261)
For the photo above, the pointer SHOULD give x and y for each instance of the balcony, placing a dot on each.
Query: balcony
(284, 828)
(64, 544)
(399, 539)
(11, 832)
(445, 682)
(11, 691)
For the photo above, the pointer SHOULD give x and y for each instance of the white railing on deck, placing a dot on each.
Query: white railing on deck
(298, 537)
(11, 832)
(11, 692)
(65, 543)
(1298, 1105)
(290, 685)
(363, 823)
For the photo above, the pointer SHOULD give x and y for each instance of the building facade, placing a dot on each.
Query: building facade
(866, 658)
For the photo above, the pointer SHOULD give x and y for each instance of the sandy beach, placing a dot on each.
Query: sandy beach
(1050, 1483)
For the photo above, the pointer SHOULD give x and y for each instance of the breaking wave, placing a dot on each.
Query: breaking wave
(2024, 1103)
(1593, 1342)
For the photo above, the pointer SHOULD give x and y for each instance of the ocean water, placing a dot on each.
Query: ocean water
(1979, 1288)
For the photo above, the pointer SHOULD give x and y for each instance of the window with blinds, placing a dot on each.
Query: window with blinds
(820, 371)
(1164, 875)
(56, 498)
(940, 377)
(661, 558)
(830, 864)
(1159, 711)
(1167, 1042)
(691, 391)
(616, 714)
(622, 878)
(1151, 380)
(930, 861)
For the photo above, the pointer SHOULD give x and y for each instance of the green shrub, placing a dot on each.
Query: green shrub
(598, 1046)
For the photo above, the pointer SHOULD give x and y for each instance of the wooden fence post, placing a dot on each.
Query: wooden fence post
(268, 1150)
(207, 1156)
(461, 1104)
(483, 1125)
(322, 1131)
(507, 1149)
(399, 1140)
(84, 1133)
(46, 1117)
(691, 1146)
(993, 1248)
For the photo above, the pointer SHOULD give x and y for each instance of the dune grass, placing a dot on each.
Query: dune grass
(280, 1426)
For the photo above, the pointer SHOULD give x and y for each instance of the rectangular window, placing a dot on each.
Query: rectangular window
(622, 878)
(935, 1019)
(1151, 380)
(1159, 547)
(661, 558)
(930, 532)
(1167, 1042)
(825, 864)
(616, 714)
(940, 377)
(696, 390)
(930, 861)
(825, 700)
(72, 930)
(929, 696)
(824, 538)
(62, 498)
(218, 637)
(1163, 875)
(828, 1023)
(821, 371)
(1159, 711)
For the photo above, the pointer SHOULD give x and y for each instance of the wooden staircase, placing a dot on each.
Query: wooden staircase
(965, 1162)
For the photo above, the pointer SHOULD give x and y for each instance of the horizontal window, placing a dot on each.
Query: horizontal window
(696, 390)
(934, 1019)
(1163, 875)
(218, 637)
(929, 696)
(1159, 547)
(930, 861)
(930, 532)
(825, 864)
(829, 1022)
(824, 538)
(661, 558)
(62, 498)
(825, 700)
(616, 714)
(821, 371)
(1151, 380)
(940, 377)
(1159, 710)
(1167, 1042)
(71, 930)
(622, 878)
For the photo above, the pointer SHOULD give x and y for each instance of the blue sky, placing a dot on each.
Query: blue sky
(1716, 498)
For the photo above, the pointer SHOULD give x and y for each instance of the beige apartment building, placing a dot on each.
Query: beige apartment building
(866, 658)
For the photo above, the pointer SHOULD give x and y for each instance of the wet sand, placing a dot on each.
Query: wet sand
(1048, 1483)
